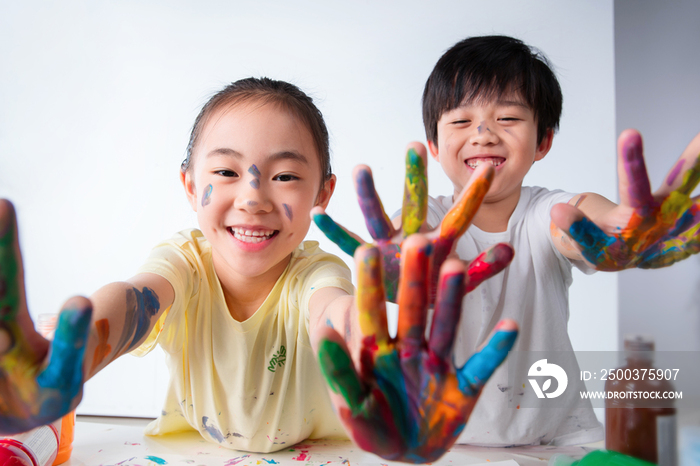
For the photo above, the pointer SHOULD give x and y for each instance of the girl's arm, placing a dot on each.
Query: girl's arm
(40, 381)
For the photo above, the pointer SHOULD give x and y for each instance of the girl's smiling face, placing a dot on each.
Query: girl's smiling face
(255, 177)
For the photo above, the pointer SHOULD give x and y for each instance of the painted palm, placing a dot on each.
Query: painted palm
(32, 394)
(405, 401)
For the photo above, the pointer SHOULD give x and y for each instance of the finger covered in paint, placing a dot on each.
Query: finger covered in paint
(335, 232)
(377, 221)
(635, 189)
(413, 291)
(478, 369)
(370, 299)
(460, 216)
(415, 198)
(487, 264)
(448, 307)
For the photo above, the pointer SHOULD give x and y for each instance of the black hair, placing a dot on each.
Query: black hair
(485, 67)
(266, 90)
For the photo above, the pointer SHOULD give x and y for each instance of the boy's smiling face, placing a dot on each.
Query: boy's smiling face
(501, 132)
(256, 176)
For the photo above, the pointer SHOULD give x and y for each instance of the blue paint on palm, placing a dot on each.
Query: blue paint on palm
(477, 370)
(591, 238)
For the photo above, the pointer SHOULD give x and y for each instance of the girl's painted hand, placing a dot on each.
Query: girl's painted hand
(406, 401)
(413, 213)
(35, 389)
(647, 230)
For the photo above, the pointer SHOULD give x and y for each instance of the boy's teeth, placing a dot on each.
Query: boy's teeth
(473, 163)
(250, 236)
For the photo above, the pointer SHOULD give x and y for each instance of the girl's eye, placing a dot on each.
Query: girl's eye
(227, 173)
(460, 122)
(286, 177)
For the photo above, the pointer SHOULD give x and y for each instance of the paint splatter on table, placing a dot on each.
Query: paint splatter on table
(122, 445)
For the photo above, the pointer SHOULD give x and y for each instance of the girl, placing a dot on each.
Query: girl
(235, 303)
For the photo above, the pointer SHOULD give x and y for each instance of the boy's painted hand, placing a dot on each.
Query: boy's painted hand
(35, 390)
(413, 215)
(406, 401)
(647, 230)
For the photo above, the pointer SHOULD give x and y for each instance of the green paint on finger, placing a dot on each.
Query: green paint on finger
(9, 289)
(340, 374)
(415, 194)
(336, 234)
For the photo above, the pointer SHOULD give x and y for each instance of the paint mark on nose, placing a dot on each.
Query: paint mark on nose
(252, 203)
(288, 211)
(482, 127)
(206, 197)
(253, 170)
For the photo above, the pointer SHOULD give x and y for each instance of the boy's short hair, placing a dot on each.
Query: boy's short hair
(485, 67)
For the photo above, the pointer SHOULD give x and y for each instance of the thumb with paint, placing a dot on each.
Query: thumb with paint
(39, 381)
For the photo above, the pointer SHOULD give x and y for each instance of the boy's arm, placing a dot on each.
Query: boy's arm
(40, 381)
(388, 237)
(401, 399)
(647, 230)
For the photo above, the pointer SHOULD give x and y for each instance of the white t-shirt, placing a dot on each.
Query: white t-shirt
(252, 385)
(534, 291)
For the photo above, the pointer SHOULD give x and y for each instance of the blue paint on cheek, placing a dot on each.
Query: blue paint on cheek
(477, 370)
(591, 238)
(288, 211)
(206, 197)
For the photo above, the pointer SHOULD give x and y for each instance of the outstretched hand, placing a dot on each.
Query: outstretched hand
(413, 214)
(35, 390)
(646, 230)
(406, 401)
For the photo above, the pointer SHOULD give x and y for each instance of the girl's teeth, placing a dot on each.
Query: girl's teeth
(250, 236)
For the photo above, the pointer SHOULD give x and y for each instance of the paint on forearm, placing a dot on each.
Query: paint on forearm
(335, 233)
(288, 211)
(415, 203)
(206, 197)
(141, 307)
(253, 170)
(103, 347)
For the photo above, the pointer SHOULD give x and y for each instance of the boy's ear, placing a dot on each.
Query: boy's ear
(434, 152)
(190, 190)
(544, 146)
(324, 196)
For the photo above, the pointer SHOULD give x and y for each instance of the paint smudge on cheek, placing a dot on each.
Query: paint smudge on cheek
(288, 211)
(675, 172)
(253, 170)
(206, 197)
(103, 347)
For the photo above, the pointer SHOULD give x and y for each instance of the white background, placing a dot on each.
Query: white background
(97, 99)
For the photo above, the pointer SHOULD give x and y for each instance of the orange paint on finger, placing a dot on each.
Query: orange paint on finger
(460, 216)
(103, 348)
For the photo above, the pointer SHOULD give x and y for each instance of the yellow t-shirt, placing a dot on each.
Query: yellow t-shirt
(252, 385)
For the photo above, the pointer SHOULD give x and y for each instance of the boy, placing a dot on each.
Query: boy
(492, 100)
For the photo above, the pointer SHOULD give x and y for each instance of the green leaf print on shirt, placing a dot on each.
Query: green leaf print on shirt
(278, 359)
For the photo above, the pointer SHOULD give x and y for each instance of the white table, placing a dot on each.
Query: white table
(123, 443)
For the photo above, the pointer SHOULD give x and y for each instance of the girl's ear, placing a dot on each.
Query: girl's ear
(324, 196)
(544, 146)
(190, 190)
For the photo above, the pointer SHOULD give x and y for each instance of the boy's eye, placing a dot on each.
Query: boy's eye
(227, 173)
(285, 177)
